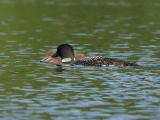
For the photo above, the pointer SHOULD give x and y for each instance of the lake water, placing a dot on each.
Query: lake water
(125, 29)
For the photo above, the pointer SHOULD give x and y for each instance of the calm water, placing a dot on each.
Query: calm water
(125, 29)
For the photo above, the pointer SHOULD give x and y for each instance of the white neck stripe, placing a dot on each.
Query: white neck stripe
(66, 60)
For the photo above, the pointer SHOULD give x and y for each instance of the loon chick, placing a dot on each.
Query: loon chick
(65, 54)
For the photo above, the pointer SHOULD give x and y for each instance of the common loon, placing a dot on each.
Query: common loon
(65, 55)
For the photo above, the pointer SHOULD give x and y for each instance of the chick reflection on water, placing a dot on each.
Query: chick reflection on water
(65, 55)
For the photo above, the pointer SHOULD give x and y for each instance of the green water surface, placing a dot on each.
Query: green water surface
(124, 29)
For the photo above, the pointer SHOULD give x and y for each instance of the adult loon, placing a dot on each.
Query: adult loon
(65, 55)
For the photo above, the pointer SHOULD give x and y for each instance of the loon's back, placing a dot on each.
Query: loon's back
(103, 61)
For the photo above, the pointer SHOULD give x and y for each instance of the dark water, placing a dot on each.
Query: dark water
(125, 29)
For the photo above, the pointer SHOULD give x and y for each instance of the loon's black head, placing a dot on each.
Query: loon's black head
(64, 51)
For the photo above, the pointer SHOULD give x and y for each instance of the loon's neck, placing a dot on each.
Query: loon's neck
(68, 60)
